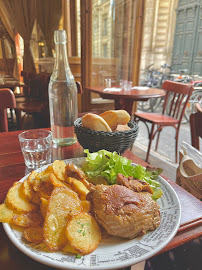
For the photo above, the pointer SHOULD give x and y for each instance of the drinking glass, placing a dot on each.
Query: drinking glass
(36, 147)
(108, 83)
(123, 83)
(128, 86)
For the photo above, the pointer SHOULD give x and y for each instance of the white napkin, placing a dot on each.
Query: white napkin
(112, 89)
(140, 87)
(193, 153)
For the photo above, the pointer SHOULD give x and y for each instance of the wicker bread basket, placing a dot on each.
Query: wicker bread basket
(118, 141)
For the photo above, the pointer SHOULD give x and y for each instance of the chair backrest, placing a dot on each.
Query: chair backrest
(176, 99)
(196, 126)
(7, 100)
(7, 66)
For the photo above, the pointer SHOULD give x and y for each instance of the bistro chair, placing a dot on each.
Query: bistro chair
(7, 100)
(174, 105)
(196, 126)
(35, 102)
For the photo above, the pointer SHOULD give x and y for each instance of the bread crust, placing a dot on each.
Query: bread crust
(115, 118)
(95, 122)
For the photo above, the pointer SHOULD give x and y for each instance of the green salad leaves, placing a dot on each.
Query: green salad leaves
(107, 165)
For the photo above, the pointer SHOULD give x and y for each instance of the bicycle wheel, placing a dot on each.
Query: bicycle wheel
(196, 97)
(155, 104)
(144, 106)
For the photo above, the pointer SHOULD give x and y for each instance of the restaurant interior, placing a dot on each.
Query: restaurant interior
(107, 41)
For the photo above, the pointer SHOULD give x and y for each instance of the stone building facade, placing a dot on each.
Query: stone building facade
(159, 30)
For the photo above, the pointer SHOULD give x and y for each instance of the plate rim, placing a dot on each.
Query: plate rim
(46, 261)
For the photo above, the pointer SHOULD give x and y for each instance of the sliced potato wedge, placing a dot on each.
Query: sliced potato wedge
(59, 169)
(83, 233)
(79, 187)
(56, 182)
(27, 220)
(69, 249)
(6, 214)
(46, 190)
(15, 200)
(63, 203)
(27, 190)
(86, 206)
(42, 177)
(44, 207)
(31, 177)
(34, 234)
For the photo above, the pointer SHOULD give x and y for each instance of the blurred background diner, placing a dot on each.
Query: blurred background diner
(143, 42)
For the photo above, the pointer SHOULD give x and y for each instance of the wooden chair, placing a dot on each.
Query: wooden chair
(7, 100)
(196, 126)
(7, 66)
(35, 102)
(175, 102)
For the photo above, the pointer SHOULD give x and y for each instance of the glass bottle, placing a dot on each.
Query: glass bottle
(62, 95)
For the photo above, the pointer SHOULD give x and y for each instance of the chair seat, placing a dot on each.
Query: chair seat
(156, 118)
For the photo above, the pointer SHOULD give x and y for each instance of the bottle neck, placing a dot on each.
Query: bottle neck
(61, 67)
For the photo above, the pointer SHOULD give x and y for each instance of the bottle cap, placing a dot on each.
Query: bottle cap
(60, 36)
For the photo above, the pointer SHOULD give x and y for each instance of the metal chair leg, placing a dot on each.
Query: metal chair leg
(158, 136)
(176, 145)
(150, 141)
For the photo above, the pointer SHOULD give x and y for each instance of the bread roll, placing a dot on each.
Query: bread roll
(115, 118)
(95, 122)
(122, 128)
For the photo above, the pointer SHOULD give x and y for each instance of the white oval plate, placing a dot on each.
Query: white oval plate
(113, 252)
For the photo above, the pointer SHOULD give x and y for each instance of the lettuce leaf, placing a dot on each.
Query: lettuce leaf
(108, 164)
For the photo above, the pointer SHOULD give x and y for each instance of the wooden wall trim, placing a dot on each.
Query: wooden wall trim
(138, 34)
(86, 50)
(73, 22)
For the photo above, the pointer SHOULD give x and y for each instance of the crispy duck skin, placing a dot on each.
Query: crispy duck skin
(134, 184)
(74, 172)
(123, 212)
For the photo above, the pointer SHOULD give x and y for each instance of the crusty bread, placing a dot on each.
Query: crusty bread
(122, 128)
(95, 122)
(115, 118)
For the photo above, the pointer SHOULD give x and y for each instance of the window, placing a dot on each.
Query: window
(104, 50)
(105, 24)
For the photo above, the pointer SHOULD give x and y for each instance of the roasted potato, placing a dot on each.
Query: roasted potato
(42, 177)
(46, 190)
(80, 188)
(27, 220)
(27, 190)
(83, 233)
(6, 214)
(44, 207)
(62, 205)
(34, 234)
(31, 177)
(15, 200)
(86, 206)
(59, 169)
(56, 182)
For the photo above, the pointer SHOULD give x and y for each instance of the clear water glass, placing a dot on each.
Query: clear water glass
(36, 146)
(108, 83)
(128, 86)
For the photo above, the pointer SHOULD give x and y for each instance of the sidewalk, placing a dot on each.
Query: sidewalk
(164, 157)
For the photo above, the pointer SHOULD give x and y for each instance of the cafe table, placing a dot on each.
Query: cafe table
(12, 168)
(123, 99)
(11, 82)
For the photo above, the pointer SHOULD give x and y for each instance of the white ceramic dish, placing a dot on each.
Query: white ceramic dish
(112, 252)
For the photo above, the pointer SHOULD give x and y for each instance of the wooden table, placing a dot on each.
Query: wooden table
(124, 99)
(10, 82)
(12, 168)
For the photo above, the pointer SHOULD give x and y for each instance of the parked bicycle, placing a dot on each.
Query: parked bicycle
(167, 73)
(155, 79)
